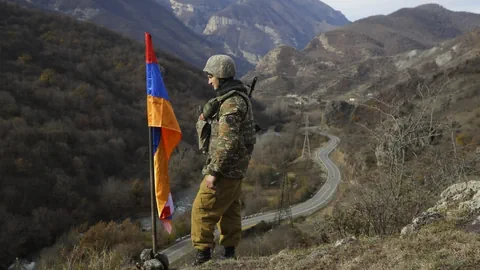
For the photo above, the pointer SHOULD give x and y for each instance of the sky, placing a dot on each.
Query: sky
(357, 9)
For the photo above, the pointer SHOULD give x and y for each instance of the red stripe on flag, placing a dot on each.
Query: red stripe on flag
(149, 53)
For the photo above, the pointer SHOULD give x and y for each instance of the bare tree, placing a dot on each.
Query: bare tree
(416, 156)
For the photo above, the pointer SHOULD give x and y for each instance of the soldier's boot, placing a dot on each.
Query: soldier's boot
(228, 253)
(202, 256)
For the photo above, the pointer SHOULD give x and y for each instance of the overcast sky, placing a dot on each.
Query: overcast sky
(357, 9)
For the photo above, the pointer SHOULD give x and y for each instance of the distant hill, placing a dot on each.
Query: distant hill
(352, 58)
(73, 135)
(132, 19)
(407, 29)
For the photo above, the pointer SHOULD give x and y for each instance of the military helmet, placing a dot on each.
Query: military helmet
(220, 66)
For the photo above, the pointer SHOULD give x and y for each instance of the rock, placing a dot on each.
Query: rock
(474, 226)
(461, 188)
(146, 255)
(153, 265)
(462, 197)
(455, 201)
(280, 257)
(409, 229)
(426, 218)
(22, 265)
(345, 241)
(163, 259)
(317, 253)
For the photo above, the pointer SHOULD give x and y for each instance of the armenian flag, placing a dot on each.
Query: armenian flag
(166, 133)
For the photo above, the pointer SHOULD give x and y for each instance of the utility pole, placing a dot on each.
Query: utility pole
(284, 207)
(306, 142)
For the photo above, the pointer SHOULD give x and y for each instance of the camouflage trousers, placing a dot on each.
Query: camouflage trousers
(220, 206)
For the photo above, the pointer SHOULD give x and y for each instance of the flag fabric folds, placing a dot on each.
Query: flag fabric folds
(166, 133)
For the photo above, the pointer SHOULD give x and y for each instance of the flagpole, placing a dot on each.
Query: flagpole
(152, 191)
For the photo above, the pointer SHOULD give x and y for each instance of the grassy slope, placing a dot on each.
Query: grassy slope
(437, 246)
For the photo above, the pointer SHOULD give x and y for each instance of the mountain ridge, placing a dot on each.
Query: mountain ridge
(132, 19)
(330, 61)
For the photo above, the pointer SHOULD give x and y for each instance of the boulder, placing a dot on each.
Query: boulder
(146, 255)
(153, 265)
(341, 242)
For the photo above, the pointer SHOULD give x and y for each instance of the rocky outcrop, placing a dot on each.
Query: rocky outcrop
(196, 14)
(459, 201)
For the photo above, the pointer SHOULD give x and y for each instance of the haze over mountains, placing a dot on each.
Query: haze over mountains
(194, 30)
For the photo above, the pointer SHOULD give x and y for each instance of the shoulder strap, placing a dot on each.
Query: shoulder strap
(232, 93)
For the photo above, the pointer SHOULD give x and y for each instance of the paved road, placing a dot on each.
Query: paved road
(319, 200)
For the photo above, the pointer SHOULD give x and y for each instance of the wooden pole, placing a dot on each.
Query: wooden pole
(152, 191)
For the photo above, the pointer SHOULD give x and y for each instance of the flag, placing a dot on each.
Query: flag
(166, 133)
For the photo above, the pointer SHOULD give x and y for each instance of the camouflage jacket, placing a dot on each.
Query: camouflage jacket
(232, 133)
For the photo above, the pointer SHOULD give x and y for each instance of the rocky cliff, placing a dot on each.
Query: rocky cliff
(195, 13)
(251, 28)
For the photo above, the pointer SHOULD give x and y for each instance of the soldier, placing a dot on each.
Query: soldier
(230, 145)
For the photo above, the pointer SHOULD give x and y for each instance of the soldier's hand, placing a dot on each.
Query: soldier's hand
(201, 117)
(210, 182)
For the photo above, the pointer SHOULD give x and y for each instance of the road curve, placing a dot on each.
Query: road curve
(316, 202)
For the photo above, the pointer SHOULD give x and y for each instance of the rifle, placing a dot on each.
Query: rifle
(252, 88)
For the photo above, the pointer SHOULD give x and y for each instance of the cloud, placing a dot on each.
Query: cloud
(357, 9)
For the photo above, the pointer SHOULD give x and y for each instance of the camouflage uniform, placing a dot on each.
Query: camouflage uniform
(229, 151)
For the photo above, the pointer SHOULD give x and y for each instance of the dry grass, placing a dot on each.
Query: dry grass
(103, 246)
(438, 246)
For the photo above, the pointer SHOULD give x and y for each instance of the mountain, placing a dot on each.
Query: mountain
(407, 29)
(195, 29)
(73, 135)
(251, 28)
(351, 59)
(132, 19)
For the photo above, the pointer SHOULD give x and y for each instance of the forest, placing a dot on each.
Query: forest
(73, 134)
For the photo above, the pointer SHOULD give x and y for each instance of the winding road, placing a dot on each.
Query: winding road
(316, 202)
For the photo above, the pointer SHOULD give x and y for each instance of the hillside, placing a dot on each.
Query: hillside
(404, 30)
(132, 19)
(353, 58)
(410, 159)
(73, 134)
